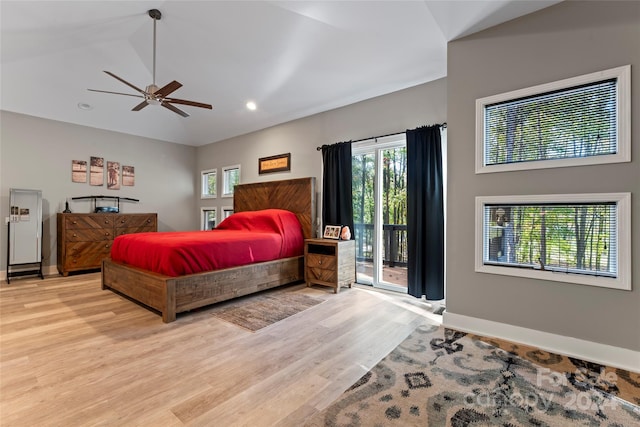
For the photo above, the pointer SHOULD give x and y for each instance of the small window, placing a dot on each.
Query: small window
(227, 212)
(209, 218)
(571, 238)
(209, 184)
(231, 178)
(578, 121)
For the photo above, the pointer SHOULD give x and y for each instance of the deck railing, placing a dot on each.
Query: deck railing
(395, 243)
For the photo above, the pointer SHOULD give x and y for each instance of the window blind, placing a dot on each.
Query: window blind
(573, 238)
(579, 121)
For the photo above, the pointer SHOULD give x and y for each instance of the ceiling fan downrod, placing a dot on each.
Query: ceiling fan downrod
(156, 15)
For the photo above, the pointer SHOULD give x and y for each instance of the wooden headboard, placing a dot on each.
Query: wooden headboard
(295, 195)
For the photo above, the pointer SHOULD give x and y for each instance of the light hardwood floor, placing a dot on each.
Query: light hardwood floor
(75, 355)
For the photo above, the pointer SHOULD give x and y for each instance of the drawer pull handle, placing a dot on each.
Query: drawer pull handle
(148, 221)
(320, 262)
(106, 221)
(106, 246)
(74, 222)
(75, 235)
(106, 234)
(123, 221)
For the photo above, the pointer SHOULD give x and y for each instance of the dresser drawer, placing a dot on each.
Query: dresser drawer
(76, 248)
(86, 255)
(89, 221)
(321, 261)
(88, 234)
(134, 220)
(131, 230)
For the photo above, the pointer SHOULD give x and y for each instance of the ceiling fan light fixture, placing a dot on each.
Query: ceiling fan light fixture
(154, 95)
(251, 106)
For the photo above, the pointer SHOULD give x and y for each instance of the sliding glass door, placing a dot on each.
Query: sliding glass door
(380, 212)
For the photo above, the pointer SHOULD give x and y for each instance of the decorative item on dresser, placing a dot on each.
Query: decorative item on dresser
(330, 262)
(85, 239)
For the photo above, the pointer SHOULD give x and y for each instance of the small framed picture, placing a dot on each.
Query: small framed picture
(332, 232)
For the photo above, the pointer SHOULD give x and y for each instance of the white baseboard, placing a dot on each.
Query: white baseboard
(47, 270)
(585, 350)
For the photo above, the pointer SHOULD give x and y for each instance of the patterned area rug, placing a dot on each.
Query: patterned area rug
(442, 377)
(257, 311)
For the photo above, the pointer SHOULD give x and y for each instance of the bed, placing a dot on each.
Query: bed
(173, 294)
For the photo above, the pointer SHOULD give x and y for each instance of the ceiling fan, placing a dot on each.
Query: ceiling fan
(153, 95)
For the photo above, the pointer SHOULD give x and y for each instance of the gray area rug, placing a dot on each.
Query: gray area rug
(442, 377)
(255, 312)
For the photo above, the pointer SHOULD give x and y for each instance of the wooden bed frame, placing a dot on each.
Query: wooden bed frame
(172, 295)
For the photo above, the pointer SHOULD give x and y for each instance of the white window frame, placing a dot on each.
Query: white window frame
(623, 77)
(623, 231)
(224, 179)
(204, 184)
(203, 213)
(227, 211)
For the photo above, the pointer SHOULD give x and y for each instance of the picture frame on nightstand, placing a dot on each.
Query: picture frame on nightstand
(332, 232)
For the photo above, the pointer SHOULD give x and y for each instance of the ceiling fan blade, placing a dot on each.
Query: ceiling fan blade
(140, 106)
(167, 89)
(125, 82)
(191, 103)
(174, 109)
(116, 93)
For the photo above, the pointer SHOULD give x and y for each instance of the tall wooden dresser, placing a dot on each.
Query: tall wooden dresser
(84, 240)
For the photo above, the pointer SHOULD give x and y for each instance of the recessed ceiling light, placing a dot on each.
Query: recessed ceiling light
(251, 105)
(85, 106)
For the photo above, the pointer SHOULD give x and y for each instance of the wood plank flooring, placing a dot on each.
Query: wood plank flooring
(72, 354)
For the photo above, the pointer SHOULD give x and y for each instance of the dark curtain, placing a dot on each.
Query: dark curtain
(425, 213)
(337, 205)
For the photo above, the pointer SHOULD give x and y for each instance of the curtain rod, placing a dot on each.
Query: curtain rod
(443, 125)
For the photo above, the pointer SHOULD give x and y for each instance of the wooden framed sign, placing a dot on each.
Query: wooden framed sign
(279, 163)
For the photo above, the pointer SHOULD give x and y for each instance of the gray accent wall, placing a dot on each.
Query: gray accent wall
(565, 40)
(396, 112)
(36, 154)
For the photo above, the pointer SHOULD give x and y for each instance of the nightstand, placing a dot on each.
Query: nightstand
(330, 262)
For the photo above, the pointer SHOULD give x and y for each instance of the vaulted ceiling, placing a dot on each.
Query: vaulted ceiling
(292, 58)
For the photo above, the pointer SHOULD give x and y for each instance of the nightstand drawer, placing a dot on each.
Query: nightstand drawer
(321, 261)
(322, 275)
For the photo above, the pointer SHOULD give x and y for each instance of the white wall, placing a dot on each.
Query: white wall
(565, 40)
(37, 153)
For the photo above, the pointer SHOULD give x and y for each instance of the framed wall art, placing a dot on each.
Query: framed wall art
(128, 176)
(96, 171)
(113, 175)
(279, 163)
(78, 171)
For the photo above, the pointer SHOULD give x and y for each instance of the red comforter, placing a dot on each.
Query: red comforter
(241, 239)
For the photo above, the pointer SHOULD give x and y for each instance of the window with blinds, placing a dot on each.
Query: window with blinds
(583, 120)
(572, 238)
